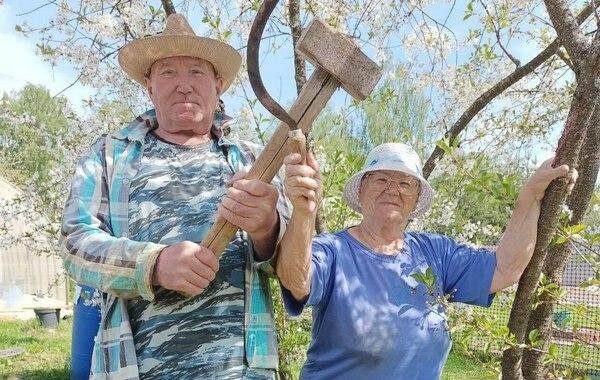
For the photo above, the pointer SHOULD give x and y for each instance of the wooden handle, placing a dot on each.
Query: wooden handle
(297, 143)
(312, 99)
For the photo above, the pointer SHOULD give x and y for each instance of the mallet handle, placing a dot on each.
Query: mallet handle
(312, 99)
(297, 142)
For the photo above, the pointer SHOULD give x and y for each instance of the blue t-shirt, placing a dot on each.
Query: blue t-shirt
(372, 319)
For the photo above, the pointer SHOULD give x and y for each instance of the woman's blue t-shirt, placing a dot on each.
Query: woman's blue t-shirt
(372, 319)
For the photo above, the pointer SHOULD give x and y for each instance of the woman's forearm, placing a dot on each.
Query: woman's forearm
(293, 263)
(517, 244)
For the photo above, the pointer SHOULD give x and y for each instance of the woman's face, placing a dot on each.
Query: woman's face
(388, 196)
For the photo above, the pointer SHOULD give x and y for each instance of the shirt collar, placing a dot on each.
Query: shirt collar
(146, 122)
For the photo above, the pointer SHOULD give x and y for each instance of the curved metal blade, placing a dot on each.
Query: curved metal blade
(258, 27)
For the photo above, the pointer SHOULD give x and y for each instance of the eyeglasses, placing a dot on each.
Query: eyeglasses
(381, 182)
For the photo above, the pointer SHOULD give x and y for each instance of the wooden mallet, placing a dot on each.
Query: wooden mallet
(338, 62)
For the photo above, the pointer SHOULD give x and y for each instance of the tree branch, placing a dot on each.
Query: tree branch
(484, 99)
(565, 58)
(168, 7)
(497, 32)
(594, 51)
(53, 2)
(568, 31)
(510, 56)
(567, 152)
(296, 28)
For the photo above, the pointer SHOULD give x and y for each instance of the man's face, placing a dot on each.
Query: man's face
(185, 93)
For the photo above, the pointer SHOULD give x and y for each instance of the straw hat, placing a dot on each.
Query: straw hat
(397, 157)
(178, 39)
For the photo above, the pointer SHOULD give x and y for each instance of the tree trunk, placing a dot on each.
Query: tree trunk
(296, 28)
(567, 152)
(168, 7)
(578, 202)
(300, 76)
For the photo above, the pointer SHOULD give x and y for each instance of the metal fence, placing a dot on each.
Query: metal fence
(576, 320)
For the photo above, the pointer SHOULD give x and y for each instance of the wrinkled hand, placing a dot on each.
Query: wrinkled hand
(185, 267)
(302, 184)
(536, 185)
(251, 205)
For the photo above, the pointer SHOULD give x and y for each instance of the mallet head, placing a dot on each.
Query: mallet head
(337, 54)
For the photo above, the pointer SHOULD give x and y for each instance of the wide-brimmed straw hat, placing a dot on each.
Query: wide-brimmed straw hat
(397, 157)
(178, 39)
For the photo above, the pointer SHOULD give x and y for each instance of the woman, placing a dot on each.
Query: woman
(378, 291)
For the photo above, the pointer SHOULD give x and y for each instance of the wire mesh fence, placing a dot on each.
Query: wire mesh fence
(575, 322)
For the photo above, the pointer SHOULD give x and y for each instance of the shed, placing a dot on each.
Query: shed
(27, 278)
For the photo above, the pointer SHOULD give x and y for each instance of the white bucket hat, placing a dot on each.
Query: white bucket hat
(178, 39)
(397, 157)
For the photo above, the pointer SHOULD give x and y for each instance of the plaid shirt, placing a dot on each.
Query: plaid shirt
(97, 251)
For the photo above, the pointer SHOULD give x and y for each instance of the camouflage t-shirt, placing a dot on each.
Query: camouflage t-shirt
(174, 197)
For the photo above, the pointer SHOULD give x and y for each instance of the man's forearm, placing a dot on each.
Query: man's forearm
(92, 254)
(119, 266)
(517, 244)
(293, 264)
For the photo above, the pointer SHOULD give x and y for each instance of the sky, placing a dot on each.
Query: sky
(21, 65)
(25, 66)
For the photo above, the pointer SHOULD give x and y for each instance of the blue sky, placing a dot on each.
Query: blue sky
(21, 65)
(25, 66)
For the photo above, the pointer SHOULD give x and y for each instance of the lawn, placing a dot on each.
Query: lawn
(47, 353)
(460, 367)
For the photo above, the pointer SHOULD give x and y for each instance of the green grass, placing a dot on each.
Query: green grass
(459, 367)
(47, 354)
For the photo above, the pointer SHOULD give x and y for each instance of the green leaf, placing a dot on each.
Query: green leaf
(534, 337)
(576, 350)
(444, 145)
(418, 277)
(469, 10)
(473, 33)
(45, 49)
(553, 350)
(487, 53)
(256, 5)
(429, 277)
(559, 239)
(572, 230)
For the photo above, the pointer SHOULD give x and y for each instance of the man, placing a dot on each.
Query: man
(142, 200)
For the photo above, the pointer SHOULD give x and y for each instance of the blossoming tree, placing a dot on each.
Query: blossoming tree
(485, 93)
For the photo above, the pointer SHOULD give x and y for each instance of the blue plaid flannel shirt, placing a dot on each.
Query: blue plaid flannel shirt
(97, 252)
